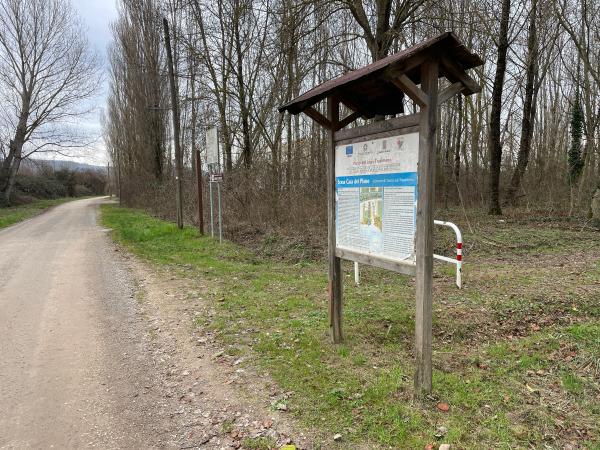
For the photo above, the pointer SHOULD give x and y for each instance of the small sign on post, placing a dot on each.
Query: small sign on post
(212, 147)
(216, 176)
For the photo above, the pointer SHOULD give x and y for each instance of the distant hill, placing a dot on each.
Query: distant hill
(35, 164)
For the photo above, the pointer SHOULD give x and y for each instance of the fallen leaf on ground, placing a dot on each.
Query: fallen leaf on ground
(444, 407)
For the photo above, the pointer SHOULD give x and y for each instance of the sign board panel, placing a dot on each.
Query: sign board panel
(212, 146)
(376, 196)
(216, 177)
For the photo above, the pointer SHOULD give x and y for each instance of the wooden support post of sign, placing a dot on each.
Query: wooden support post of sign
(424, 232)
(335, 263)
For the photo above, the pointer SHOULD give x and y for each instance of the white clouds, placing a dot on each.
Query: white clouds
(97, 15)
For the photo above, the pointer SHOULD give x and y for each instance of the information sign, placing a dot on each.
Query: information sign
(212, 146)
(376, 196)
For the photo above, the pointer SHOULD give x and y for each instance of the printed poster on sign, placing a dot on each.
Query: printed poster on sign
(376, 196)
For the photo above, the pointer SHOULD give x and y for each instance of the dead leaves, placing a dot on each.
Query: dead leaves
(444, 407)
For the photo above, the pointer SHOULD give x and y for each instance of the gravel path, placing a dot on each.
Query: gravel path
(98, 350)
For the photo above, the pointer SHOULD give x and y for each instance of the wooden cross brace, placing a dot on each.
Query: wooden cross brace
(461, 82)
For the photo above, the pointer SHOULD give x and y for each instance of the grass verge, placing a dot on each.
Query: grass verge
(14, 214)
(516, 352)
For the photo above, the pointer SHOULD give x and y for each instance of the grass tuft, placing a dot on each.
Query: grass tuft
(14, 214)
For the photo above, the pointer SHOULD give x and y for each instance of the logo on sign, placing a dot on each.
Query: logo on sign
(349, 150)
(400, 143)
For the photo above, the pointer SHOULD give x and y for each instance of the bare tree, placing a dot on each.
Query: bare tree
(47, 72)
(495, 138)
(528, 106)
(381, 21)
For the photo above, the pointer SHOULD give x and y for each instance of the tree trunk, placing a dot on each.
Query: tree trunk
(16, 150)
(495, 135)
(457, 146)
(241, 88)
(446, 160)
(528, 109)
(5, 169)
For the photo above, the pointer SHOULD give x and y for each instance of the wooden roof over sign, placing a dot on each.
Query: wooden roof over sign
(378, 89)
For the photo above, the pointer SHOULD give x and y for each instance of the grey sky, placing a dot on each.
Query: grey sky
(97, 16)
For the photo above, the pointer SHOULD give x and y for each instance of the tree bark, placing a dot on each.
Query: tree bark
(458, 146)
(528, 109)
(495, 134)
(16, 150)
(176, 128)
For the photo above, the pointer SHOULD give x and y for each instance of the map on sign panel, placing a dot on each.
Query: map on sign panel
(376, 196)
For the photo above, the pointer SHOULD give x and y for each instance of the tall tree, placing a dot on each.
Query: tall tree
(575, 159)
(382, 21)
(47, 72)
(495, 144)
(136, 122)
(528, 106)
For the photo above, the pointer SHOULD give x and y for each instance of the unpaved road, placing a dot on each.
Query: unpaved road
(71, 352)
(97, 350)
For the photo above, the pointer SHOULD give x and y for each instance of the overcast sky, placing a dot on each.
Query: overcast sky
(97, 16)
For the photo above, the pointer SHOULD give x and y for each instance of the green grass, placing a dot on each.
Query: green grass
(259, 443)
(14, 214)
(516, 353)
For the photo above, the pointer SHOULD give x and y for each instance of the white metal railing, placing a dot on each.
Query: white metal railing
(457, 261)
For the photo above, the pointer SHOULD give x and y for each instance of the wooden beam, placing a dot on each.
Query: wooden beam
(396, 123)
(424, 232)
(335, 264)
(455, 73)
(348, 120)
(317, 117)
(406, 85)
(450, 91)
(382, 135)
(405, 267)
(348, 102)
(394, 71)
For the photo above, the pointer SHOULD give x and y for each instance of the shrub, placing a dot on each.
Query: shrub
(40, 187)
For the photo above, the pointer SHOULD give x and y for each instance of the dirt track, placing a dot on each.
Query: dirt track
(98, 350)
(72, 354)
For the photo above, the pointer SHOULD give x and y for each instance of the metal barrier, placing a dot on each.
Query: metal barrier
(457, 261)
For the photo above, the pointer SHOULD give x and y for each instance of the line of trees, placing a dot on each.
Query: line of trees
(530, 138)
